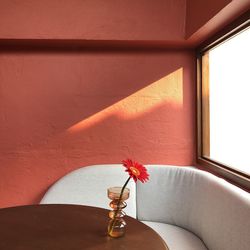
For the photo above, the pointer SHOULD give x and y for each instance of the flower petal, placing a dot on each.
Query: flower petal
(136, 170)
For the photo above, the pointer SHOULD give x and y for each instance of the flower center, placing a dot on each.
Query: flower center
(134, 171)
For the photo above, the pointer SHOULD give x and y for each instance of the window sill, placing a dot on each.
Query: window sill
(235, 177)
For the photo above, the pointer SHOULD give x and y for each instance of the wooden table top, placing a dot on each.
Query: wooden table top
(70, 227)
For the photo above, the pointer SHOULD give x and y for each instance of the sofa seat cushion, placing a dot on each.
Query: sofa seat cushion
(176, 237)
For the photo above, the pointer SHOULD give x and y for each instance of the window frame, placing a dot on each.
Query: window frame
(229, 173)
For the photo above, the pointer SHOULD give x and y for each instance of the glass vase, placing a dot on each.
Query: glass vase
(117, 224)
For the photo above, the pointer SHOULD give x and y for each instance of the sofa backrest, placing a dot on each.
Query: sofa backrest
(215, 210)
(88, 186)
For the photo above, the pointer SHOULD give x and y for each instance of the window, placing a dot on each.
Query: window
(224, 105)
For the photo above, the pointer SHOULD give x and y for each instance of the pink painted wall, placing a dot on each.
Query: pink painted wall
(65, 109)
(60, 110)
(200, 12)
(93, 19)
(115, 97)
(205, 18)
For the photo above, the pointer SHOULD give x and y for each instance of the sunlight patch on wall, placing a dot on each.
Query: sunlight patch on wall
(168, 89)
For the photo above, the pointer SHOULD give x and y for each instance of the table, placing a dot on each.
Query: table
(70, 227)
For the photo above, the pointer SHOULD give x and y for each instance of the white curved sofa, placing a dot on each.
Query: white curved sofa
(191, 209)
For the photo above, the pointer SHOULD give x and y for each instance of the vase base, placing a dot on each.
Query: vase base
(116, 234)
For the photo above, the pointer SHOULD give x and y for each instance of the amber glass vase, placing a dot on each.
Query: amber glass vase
(117, 224)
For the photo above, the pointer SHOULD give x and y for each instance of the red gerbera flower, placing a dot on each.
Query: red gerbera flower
(136, 170)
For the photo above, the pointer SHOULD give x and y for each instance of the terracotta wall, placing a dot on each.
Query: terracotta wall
(93, 19)
(63, 109)
(200, 12)
(205, 18)
(67, 108)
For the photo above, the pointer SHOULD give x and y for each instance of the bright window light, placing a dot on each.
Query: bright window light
(229, 102)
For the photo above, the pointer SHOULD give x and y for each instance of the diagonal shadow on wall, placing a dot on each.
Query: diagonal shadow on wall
(62, 111)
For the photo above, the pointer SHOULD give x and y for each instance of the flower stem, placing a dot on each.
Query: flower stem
(118, 206)
(124, 186)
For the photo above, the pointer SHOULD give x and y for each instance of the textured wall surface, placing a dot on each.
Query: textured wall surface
(205, 18)
(93, 19)
(200, 12)
(61, 111)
